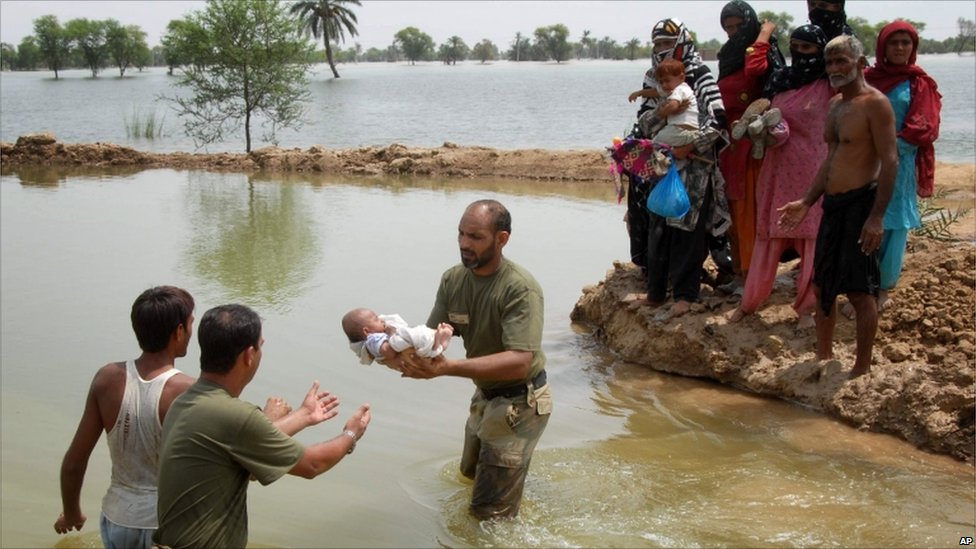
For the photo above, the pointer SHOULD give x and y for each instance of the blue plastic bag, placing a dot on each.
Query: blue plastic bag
(669, 197)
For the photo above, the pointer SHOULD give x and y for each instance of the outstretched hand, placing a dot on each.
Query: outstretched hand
(64, 525)
(792, 214)
(319, 406)
(359, 421)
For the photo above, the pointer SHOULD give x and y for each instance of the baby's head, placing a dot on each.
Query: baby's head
(359, 322)
(670, 73)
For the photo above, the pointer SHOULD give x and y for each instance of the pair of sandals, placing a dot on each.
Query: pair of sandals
(756, 122)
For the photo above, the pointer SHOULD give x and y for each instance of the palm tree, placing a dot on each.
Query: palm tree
(632, 46)
(329, 19)
(584, 44)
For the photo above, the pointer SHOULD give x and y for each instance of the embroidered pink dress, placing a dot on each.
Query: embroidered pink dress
(787, 172)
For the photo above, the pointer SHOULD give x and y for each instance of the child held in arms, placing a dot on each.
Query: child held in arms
(383, 337)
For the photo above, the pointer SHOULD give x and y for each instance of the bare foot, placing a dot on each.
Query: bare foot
(858, 372)
(636, 301)
(806, 322)
(276, 408)
(736, 315)
(884, 301)
(679, 308)
(847, 310)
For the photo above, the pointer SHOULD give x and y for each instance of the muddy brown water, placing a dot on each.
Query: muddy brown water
(631, 458)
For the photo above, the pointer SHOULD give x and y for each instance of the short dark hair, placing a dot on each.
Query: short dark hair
(157, 313)
(224, 333)
(501, 219)
(669, 67)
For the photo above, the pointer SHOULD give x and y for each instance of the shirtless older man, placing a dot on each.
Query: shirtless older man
(856, 180)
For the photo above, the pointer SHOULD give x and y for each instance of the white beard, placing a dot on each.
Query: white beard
(838, 81)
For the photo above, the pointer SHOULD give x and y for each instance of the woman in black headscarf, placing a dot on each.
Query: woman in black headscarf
(829, 15)
(802, 94)
(744, 62)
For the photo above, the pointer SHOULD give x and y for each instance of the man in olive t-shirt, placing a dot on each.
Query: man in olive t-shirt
(496, 306)
(213, 442)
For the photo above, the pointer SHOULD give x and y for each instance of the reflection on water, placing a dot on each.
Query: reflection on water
(253, 238)
(54, 176)
(631, 458)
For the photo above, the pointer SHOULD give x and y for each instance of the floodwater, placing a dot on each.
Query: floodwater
(506, 105)
(631, 457)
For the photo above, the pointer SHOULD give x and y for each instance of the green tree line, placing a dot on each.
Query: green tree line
(79, 43)
(96, 45)
(245, 64)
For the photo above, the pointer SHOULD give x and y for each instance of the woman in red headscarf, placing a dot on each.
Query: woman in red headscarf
(917, 103)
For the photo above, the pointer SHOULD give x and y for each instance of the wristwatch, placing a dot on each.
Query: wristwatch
(351, 435)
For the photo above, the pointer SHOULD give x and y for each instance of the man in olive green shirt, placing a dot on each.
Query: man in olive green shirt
(496, 306)
(213, 442)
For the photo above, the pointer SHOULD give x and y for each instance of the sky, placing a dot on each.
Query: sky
(498, 20)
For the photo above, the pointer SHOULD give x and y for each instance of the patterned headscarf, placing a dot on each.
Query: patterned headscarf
(804, 68)
(684, 46)
(833, 23)
(732, 56)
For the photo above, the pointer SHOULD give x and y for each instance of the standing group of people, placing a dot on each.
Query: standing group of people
(184, 451)
(805, 132)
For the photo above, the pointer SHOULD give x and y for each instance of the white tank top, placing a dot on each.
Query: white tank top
(133, 443)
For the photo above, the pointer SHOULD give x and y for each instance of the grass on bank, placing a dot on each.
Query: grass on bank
(143, 125)
(937, 221)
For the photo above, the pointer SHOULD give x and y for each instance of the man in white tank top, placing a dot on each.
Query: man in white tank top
(128, 400)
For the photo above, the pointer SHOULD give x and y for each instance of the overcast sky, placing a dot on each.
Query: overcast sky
(498, 21)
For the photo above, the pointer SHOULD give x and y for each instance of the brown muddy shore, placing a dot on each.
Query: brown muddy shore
(922, 386)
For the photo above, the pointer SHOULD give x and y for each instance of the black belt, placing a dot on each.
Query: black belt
(513, 391)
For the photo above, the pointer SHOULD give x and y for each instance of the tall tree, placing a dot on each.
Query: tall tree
(182, 37)
(415, 44)
(8, 56)
(632, 46)
(518, 45)
(967, 34)
(246, 60)
(53, 41)
(452, 50)
(553, 40)
(484, 50)
(125, 45)
(89, 37)
(584, 44)
(29, 55)
(328, 19)
(607, 48)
